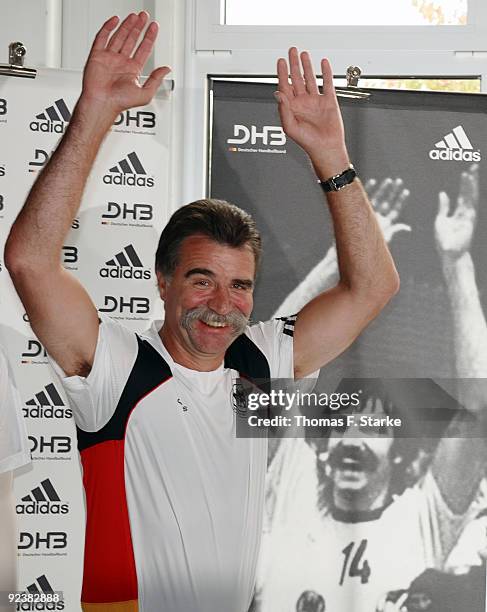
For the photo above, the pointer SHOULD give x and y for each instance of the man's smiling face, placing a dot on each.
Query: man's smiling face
(208, 299)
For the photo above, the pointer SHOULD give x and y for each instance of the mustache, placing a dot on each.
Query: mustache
(235, 319)
(364, 457)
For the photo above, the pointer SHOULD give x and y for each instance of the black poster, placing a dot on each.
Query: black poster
(409, 546)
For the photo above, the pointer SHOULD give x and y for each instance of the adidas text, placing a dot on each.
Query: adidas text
(135, 274)
(455, 155)
(131, 180)
(41, 412)
(48, 126)
(42, 508)
(40, 605)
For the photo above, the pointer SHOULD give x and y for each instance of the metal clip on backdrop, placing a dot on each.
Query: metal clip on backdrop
(353, 75)
(15, 67)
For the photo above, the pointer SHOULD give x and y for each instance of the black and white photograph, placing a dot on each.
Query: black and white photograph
(372, 520)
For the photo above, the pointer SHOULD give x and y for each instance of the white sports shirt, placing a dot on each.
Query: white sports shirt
(14, 446)
(315, 561)
(174, 499)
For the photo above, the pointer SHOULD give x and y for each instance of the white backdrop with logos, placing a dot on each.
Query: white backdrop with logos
(110, 249)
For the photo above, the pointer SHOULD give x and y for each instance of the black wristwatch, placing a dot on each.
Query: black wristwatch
(339, 181)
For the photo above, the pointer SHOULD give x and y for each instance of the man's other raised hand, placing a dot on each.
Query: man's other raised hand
(312, 119)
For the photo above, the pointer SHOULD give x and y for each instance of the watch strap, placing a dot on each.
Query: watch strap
(339, 181)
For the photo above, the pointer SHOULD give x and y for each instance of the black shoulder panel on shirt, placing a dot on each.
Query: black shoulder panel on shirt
(149, 371)
(246, 357)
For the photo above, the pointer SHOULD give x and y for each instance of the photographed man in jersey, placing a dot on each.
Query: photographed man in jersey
(365, 513)
(460, 585)
(174, 499)
(14, 453)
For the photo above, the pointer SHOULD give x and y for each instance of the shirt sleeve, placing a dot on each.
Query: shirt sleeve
(14, 445)
(275, 339)
(440, 526)
(94, 398)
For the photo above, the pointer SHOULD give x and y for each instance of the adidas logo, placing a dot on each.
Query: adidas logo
(455, 146)
(42, 500)
(47, 404)
(45, 598)
(125, 264)
(129, 171)
(53, 119)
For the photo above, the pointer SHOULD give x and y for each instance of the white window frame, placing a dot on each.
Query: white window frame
(212, 35)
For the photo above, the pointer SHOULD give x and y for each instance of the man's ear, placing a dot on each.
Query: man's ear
(162, 283)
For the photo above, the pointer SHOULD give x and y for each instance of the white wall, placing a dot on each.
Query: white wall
(34, 23)
(81, 21)
(58, 32)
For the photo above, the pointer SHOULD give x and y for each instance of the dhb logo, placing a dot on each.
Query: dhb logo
(54, 445)
(133, 305)
(39, 161)
(51, 540)
(269, 135)
(70, 255)
(34, 349)
(139, 119)
(137, 212)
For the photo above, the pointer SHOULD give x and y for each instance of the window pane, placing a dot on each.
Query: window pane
(454, 85)
(353, 12)
(468, 85)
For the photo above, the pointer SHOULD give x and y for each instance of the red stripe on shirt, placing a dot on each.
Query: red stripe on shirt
(109, 565)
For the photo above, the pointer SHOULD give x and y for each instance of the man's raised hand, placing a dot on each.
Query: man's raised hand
(115, 64)
(60, 310)
(387, 201)
(312, 119)
(454, 233)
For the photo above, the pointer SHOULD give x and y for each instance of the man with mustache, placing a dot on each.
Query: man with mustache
(174, 499)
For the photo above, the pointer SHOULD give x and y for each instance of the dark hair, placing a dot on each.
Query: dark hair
(219, 220)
